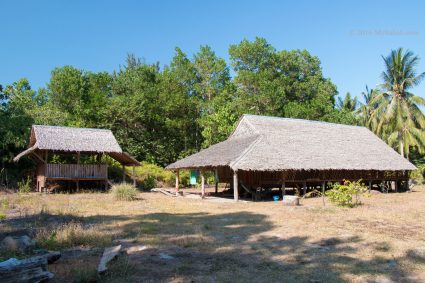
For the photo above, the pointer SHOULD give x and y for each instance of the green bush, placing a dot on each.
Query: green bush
(124, 192)
(418, 174)
(148, 172)
(343, 194)
(24, 186)
(149, 183)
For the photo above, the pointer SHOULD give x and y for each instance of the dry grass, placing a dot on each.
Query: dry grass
(229, 242)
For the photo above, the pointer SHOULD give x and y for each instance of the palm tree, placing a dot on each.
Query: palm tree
(348, 103)
(401, 122)
(367, 108)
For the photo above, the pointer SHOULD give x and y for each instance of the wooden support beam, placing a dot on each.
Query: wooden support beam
(370, 186)
(78, 186)
(235, 186)
(304, 188)
(216, 180)
(283, 189)
(39, 157)
(202, 184)
(396, 186)
(323, 192)
(177, 181)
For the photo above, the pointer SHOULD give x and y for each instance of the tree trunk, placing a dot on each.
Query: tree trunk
(401, 148)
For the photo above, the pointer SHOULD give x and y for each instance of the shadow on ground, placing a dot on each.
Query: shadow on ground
(229, 247)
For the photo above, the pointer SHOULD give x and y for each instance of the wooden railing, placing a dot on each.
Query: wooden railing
(77, 171)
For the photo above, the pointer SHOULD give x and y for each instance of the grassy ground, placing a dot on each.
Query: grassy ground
(211, 241)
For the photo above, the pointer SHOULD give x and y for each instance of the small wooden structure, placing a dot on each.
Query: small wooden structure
(270, 152)
(73, 144)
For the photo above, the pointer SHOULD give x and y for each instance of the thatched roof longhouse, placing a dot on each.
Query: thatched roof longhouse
(261, 143)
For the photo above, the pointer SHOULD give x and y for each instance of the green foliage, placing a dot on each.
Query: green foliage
(151, 175)
(149, 183)
(24, 186)
(343, 194)
(124, 192)
(397, 117)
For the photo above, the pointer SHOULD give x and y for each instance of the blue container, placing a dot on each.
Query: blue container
(276, 198)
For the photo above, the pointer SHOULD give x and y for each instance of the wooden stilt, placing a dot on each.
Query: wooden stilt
(202, 184)
(134, 176)
(177, 182)
(370, 186)
(235, 186)
(216, 181)
(78, 162)
(396, 186)
(304, 188)
(283, 189)
(323, 192)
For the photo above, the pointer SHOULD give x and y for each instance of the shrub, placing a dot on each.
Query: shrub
(24, 186)
(151, 174)
(124, 192)
(149, 183)
(343, 194)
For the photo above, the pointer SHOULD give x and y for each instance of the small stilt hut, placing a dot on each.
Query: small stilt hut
(48, 142)
(270, 152)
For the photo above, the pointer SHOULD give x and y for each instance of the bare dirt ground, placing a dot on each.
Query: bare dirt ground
(195, 240)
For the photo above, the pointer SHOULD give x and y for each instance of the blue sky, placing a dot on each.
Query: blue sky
(349, 38)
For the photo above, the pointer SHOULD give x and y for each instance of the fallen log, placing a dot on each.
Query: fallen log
(33, 269)
(27, 270)
(163, 191)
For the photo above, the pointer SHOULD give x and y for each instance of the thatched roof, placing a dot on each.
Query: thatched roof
(68, 139)
(262, 143)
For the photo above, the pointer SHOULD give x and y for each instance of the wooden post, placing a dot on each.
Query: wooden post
(216, 181)
(396, 186)
(235, 186)
(283, 190)
(134, 175)
(202, 184)
(304, 188)
(177, 182)
(323, 192)
(77, 173)
(370, 186)
(123, 174)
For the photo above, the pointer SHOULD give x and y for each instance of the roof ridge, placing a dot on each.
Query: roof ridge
(300, 120)
(246, 151)
(68, 127)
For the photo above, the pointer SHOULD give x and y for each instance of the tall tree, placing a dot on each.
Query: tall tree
(348, 103)
(366, 109)
(402, 123)
(211, 72)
